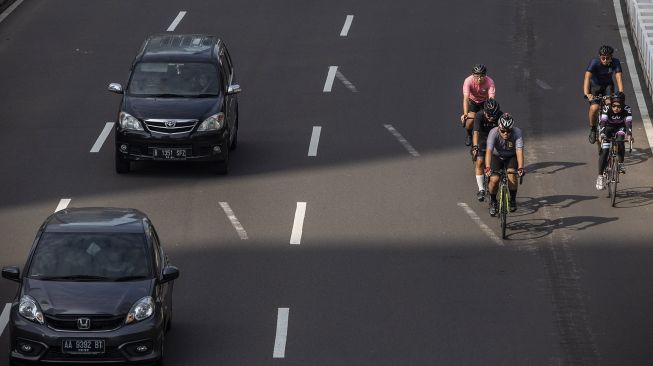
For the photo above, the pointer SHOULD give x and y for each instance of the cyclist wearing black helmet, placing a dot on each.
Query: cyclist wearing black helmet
(477, 88)
(598, 81)
(483, 123)
(505, 150)
(617, 123)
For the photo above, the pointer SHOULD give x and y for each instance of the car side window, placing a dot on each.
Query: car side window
(225, 61)
(157, 251)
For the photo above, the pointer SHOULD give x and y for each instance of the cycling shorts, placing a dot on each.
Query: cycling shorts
(507, 163)
(604, 90)
(474, 107)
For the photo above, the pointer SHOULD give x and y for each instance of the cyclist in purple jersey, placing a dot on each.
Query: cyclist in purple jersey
(483, 123)
(598, 81)
(617, 123)
(505, 150)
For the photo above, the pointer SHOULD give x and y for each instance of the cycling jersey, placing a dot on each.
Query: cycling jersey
(602, 75)
(479, 92)
(483, 125)
(608, 117)
(505, 148)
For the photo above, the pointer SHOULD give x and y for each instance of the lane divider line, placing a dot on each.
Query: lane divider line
(63, 203)
(176, 22)
(234, 220)
(315, 140)
(344, 80)
(402, 140)
(328, 84)
(4, 318)
(634, 77)
(282, 333)
(345, 28)
(9, 10)
(486, 229)
(103, 136)
(542, 84)
(298, 224)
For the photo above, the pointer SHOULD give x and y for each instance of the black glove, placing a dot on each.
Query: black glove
(592, 136)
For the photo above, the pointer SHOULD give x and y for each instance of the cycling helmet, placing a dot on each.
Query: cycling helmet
(491, 107)
(606, 50)
(506, 121)
(479, 69)
(617, 98)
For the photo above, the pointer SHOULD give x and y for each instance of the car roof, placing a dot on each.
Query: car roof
(97, 219)
(179, 48)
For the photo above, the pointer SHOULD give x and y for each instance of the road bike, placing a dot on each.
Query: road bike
(611, 171)
(503, 195)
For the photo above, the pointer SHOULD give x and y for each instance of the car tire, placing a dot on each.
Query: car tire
(161, 360)
(123, 166)
(234, 142)
(222, 167)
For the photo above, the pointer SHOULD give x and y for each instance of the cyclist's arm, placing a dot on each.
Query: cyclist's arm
(620, 83)
(520, 158)
(491, 91)
(465, 104)
(586, 84)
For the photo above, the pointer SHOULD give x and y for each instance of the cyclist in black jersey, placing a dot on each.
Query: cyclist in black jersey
(483, 123)
(617, 123)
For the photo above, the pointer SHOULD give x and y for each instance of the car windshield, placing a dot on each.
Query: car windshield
(91, 257)
(162, 79)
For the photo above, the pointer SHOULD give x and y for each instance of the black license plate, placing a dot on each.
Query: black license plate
(169, 154)
(82, 346)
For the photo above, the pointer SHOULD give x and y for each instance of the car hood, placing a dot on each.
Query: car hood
(88, 298)
(171, 108)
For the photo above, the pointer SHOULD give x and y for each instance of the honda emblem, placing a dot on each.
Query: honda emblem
(83, 323)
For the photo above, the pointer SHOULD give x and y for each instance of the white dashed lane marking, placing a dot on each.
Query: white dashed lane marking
(234, 220)
(62, 204)
(345, 28)
(282, 333)
(177, 20)
(103, 136)
(298, 224)
(4, 318)
(9, 10)
(315, 140)
(486, 229)
(402, 140)
(331, 75)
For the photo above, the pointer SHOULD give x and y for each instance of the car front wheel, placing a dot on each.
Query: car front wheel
(123, 166)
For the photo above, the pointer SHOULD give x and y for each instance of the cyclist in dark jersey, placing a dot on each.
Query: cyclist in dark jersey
(617, 123)
(483, 123)
(598, 81)
(505, 150)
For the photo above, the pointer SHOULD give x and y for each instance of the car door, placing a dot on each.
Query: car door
(164, 291)
(231, 102)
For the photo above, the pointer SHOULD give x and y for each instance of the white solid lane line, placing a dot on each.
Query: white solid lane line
(328, 84)
(62, 204)
(298, 224)
(175, 22)
(4, 318)
(103, 136)
(345, 28)
(480, 223)
(634, 77)
(315, 140)
(10, 9)
(282, 333)
(234, 220)
(402, 140)
(344, 80)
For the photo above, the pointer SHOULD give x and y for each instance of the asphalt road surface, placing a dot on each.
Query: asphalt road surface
(359, 242)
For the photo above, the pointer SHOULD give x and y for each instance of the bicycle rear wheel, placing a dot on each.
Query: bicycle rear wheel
(614, 179)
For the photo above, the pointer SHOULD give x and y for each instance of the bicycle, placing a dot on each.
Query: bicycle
(611, 172)
(504, 198)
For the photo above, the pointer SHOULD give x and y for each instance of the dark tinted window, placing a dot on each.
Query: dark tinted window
(105, 256)
(174, 79)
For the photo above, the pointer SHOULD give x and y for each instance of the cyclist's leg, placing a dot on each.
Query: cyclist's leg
(595, 106)
(603, 157)
(473, 108)
(493, 184)
(480, 166)
(621, 147)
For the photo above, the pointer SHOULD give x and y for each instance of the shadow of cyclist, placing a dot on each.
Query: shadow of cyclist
(634, 197)
(539, 228)
(637, 156)
(530, 205)
(551, 167)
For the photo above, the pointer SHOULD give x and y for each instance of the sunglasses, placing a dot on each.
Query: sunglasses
(479, 76)
(606, 58)
(503, 130)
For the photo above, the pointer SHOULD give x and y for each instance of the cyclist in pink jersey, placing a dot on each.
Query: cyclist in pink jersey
(477, 88)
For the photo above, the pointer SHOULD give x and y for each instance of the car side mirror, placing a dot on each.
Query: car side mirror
(115, 88)
(11, 273)
(233, 89)
(170, 273)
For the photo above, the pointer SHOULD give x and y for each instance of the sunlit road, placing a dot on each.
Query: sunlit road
(347, 231)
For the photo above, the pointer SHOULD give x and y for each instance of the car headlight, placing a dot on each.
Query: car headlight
(142, 309)
(30, 310)
(128, 122)
(215, 122)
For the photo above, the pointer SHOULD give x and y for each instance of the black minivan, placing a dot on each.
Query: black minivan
(180, 103)
(96, 288)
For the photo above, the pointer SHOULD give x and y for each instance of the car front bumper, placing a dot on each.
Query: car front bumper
(140, 145)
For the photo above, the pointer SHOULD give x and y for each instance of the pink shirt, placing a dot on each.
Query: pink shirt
(478, 92)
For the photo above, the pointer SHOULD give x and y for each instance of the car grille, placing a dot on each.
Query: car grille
(98, 322)
(111, 354)
(170, 126)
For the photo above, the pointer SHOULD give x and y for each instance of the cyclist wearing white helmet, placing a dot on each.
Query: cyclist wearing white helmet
(505, 150)
(477, 88)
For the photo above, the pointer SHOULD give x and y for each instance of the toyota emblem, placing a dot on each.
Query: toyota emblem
(170, 124)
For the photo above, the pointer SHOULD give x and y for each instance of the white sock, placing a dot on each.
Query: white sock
(479, 181)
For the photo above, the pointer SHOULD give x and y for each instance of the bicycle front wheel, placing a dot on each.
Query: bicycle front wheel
(614, 179)
(503, 209)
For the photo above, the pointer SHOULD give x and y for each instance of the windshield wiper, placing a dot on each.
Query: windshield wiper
(166, 95)
(72, 277)
(131, 278)
(207, 95)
